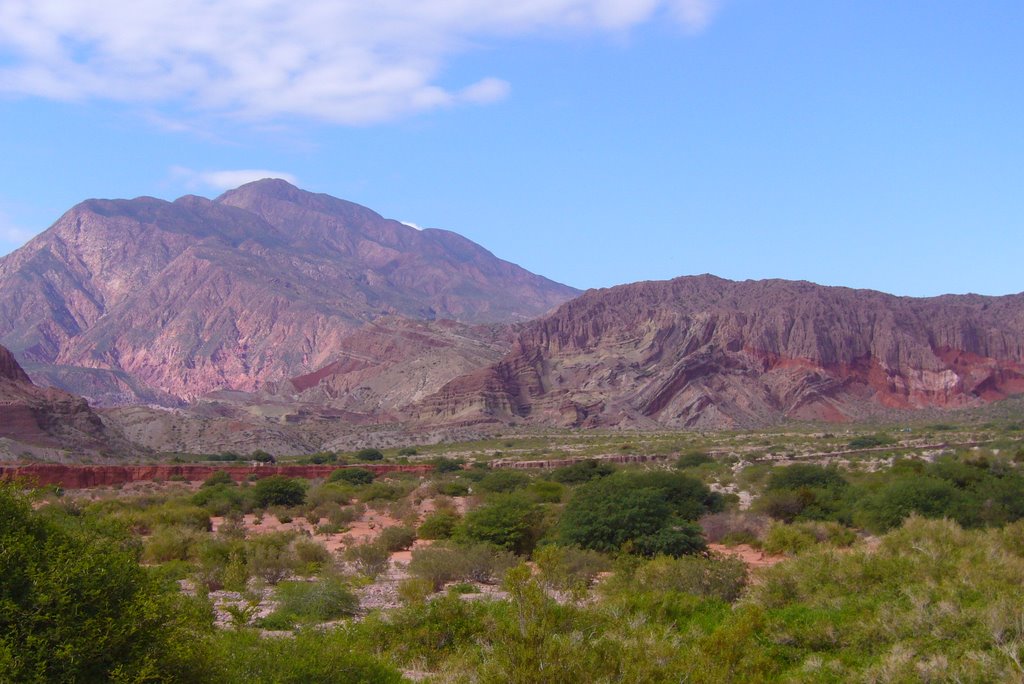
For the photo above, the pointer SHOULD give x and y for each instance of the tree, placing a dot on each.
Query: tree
(355, 476)
(75, 605)
(278, 490)
(647, 513)
(509, 521)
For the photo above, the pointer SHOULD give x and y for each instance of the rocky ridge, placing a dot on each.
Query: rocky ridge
(47, 419)
(149, 301)
(701, 351)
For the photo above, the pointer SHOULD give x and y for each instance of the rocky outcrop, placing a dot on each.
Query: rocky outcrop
(160, 302)
(49, 418)
(86, 477)
(393, 362)
(706, 352)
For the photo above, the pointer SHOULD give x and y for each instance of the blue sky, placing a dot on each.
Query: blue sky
(863, 143)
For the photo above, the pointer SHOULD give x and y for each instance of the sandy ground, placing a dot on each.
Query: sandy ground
(754, 558)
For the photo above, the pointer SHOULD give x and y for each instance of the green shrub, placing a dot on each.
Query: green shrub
(453, 488)
(310, 556)
(581, 472)
(506, 520)
(720, 577)
(407, 451)
(75, 605)
(803, 475)
(328, 598)
(545, 491)
(353, 476)
(447, 465)
(787, 539)
(397, 538)
(504, 481)
(647, 513)
(440, 564)
(871, 441)
(221, 477)
(364, 455)
(438, 525)
(370, 559)
(567, 568)
(692, 459)
(278, 490)
(927, 496)
(271, 556)
(310, 656)
(170, 543)
(220, 499)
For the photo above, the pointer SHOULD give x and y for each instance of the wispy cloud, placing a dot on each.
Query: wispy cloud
(11, 235)
(343, 61)
(225, 179)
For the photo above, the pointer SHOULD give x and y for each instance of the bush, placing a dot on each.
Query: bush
(787, 539)
(75, 605)
(581, 472)
(278, 490)
(720, 577)
(221, 477)
(369, 455)
(311, 656)
(353, 476)
(692, 459)
(438, 525)
(453, 488)
(326, 599)
(647, 513)
(271, 557)
(220, 499)
(504, 481)
(508, 521)
(927, 496)
(407, 451)
(447, 465)
(719, 527)
(567, 568)
(397, 538)
(871, 441)
(544, 491)
(370, 559)
(477, 562)
(170, 543)
(802, 475)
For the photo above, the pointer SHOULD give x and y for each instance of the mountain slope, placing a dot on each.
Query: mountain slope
(706, 352)
(45, 418)
(162, 301)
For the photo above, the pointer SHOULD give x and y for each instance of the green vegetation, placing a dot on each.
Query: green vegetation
(902, 563)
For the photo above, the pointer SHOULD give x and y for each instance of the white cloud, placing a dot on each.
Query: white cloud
(344, 61)
(411, 225)
(11, 235)
(226, 179)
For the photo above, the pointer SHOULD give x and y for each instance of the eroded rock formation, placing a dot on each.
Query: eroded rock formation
(158, 302)
(706, 352)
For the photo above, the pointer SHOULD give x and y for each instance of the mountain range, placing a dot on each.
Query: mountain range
(271, 306)
(146, 300)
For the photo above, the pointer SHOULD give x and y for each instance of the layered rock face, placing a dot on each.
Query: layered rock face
(46, 417)
(153, 301)
(392, 363)
(84, 476)
(706, 352)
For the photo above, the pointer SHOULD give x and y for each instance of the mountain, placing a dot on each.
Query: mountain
(394, 362)
(706, 352)
(44, 421)
(161, 302)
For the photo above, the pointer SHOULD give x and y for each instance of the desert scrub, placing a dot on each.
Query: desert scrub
(327, 598)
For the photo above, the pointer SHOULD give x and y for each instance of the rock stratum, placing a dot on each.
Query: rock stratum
(143, 300)
(703, 352)
(49, 419)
